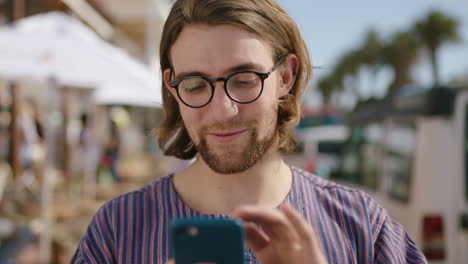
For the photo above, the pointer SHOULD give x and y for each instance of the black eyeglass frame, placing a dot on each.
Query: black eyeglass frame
(261, 75)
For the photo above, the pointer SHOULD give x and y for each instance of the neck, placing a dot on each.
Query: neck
(266, 184)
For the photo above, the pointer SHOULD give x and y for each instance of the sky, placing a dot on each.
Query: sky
(333, 27)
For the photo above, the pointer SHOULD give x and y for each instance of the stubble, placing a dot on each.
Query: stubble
(230, 159)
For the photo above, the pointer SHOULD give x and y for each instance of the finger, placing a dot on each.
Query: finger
(273, 222)
(305, 232)
(171, 261)
(301, 226)
(256, 239)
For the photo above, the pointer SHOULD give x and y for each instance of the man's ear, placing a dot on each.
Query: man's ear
(289, 74)
(167, 77)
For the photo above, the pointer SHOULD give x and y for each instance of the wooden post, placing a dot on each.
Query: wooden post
(66, 93)
(15, 136)
(16, 11)
(19, 8)
(47, 187)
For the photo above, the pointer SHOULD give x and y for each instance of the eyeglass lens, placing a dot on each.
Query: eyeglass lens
(241, 87)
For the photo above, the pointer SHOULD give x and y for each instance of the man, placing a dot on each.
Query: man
(234, 72)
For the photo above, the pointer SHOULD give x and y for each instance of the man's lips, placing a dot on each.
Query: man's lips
(226, 136)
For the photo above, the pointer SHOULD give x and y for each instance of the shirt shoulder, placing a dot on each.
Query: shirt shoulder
(318, 184)
(376, 238)
(123, 222)
(337, 201)
(356, 204)
(148, 193)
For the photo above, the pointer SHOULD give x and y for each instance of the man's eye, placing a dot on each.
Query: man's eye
(194, 85)
(198, 88)
(246, 83)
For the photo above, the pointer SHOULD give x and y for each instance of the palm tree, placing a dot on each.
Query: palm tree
(433, 31)
(368, 54)
(371, 50)
(346, 72)
(400, 53)
(327, 85)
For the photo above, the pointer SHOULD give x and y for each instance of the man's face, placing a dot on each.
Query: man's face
(229, 136)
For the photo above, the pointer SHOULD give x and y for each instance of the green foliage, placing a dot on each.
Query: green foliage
(433, 31)
(399, 52)
(437, 29)
(327, 86)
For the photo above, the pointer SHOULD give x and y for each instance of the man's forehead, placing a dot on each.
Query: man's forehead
(218, 49)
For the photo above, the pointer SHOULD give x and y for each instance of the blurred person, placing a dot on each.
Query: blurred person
(5, 121)
(4, 133)
(85, 165)
(32, 150)
(113, 151)
(30, 254)
(21, 247)
(28, 135)
(40, 151)
(108, 171)
(233, 74)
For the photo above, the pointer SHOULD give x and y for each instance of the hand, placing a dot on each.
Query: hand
(280, 236)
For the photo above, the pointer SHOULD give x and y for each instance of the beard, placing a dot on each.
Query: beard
(232, 160)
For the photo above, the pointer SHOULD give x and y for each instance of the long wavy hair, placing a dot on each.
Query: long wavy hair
(265, 18)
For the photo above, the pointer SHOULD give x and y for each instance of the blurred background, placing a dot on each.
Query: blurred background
(386, 112)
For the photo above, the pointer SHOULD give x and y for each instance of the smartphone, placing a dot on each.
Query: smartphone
(219, 241)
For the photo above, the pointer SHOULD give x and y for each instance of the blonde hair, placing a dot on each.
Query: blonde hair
(262, 17)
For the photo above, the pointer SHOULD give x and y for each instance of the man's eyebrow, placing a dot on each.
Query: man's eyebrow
(185, 74)
(246, 67)
(251, 66)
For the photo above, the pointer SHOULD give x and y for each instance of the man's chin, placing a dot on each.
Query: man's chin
(228, 168)
(236, 158)
(226, 163)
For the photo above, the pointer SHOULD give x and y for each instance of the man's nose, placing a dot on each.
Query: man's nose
(221, 106)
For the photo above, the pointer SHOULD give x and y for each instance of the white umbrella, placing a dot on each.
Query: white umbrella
(127, 94)
(55, 45)
(24, 61)
(51, 46)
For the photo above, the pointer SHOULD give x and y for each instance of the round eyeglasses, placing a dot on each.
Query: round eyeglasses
(242, 87)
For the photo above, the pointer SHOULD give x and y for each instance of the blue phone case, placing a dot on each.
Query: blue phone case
(207, 240)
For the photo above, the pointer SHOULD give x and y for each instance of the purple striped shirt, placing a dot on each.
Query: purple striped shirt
(352, 227)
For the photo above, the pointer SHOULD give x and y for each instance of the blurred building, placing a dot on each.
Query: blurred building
(134, 26)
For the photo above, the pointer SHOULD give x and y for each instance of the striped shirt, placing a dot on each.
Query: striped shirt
(351, 227)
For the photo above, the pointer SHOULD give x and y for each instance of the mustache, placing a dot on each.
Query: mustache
(230, 125)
